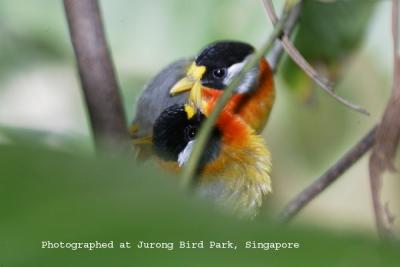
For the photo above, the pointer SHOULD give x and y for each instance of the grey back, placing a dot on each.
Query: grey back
(155, 96)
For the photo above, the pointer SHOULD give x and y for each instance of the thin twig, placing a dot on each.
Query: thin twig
(190, 169)
(96, 72)
(296, 56)
(387, 138)
(331, 175)
(274, 57)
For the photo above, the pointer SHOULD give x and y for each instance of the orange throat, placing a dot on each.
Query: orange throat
(254, 107)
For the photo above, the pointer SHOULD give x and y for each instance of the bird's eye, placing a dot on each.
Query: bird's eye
(190, 132)
(219, 73)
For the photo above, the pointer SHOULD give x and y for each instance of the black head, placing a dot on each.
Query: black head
(174, 135)
(222, 60)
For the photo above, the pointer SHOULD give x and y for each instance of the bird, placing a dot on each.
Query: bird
(212, 71)
(234, 169)
(202, 79)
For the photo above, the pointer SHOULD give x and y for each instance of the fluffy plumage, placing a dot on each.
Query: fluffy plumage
(238, 177)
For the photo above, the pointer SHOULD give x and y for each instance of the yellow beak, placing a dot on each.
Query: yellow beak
(191, 82)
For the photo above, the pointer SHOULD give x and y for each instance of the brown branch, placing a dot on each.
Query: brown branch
(387, 138)
(96, 72)
(296, 56)
(331, 175)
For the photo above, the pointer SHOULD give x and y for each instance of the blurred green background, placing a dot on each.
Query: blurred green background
(41, 107)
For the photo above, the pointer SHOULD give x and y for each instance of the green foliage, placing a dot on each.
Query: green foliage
(18, 51)
(28, 37)
(63, 142)
(48, 195)
(328, 34)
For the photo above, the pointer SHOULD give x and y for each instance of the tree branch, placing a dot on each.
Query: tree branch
(387, 138)
(296, 56)
(331, 175)
(96, 72)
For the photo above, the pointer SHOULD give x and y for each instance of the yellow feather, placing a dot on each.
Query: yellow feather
(246, 176)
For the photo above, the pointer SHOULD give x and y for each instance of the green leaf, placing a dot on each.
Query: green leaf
(59, 197)
(328, 35)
